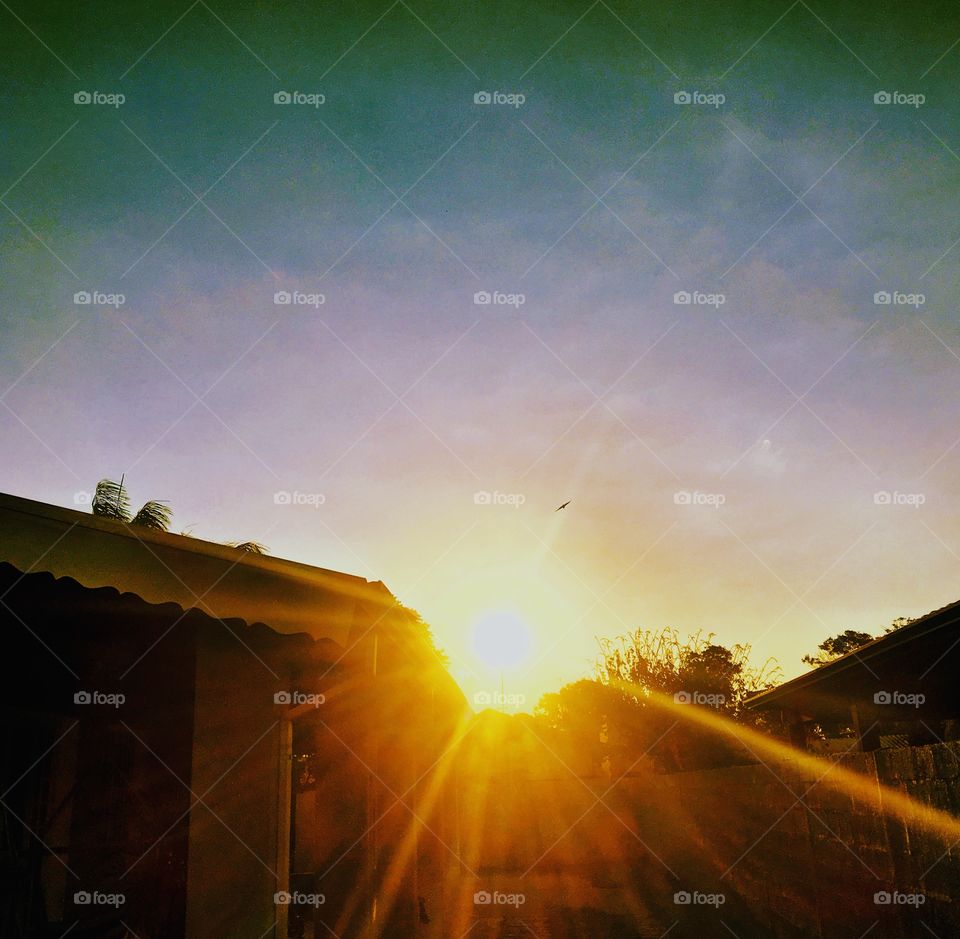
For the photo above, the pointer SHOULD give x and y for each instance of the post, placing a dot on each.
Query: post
(796, 728)
(284, 795)
(867, 738)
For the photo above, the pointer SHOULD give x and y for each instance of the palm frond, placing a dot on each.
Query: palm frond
(154, 514)
(111, 500)
(254, 547)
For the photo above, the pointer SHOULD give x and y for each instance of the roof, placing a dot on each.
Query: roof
(161, 567)
(910, 653)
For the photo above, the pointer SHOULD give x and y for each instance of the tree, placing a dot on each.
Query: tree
(418, 625)
(848, 641)
(112, 501)
(629, 710)
(651, 662)
(834, 646)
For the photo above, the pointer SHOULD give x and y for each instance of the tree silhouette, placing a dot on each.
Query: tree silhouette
(850, 639)
(623, 715)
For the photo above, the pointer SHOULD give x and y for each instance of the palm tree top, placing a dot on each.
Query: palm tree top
(111, 500)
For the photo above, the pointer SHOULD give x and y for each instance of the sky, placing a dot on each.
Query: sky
(486, 219)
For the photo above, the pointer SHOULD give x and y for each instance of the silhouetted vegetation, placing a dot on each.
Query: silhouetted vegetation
(628, 715)
(112, 501)
(833, 647)
(419, 625)
(253, 547)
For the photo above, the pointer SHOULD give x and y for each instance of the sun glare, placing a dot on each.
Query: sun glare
(501, 639)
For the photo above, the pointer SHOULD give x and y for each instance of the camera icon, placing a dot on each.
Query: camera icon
(482, 498)
(882, 697)
(482, 698)
(282, 498)
(82, 298)
(282, 898)
(882, 97)
(682, 97)
(881, 898)
(882, 498)
(482, 298)
(482, 97)
(82, 498)
(882, 298)
(682, 297)
(82, 697)
(82, 898)
(282, 298)
(282, 97)
(682, 697)
(682, 498)
(282, 697)
(82, 97)
(482, 898)
(682, 898)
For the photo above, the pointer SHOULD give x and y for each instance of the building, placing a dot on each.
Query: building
(203, 742)
(898, 690)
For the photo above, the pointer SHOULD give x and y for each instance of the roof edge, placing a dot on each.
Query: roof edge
(928, 623)
(185, 543)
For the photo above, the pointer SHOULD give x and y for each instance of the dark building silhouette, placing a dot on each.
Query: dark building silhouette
(202, 742)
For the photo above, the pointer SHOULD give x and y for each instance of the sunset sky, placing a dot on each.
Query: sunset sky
(399, 398)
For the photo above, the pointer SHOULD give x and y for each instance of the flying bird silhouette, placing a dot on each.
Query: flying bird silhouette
(565, 504)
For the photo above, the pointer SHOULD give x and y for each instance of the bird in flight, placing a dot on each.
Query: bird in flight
(565, 504)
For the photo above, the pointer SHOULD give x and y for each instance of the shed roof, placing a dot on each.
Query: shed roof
(162, 567)
(920, 652)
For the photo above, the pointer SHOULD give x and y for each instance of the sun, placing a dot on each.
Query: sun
(501, 639)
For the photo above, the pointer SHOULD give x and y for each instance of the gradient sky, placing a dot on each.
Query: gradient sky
(598, 199)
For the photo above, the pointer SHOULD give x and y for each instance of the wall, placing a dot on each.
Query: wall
(595, 853)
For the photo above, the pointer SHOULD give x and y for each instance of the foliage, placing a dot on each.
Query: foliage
(661, 662)
(848, 641)
(417, 622)
(112, 501)
(153, 514)
(629, 711)
(253, 547)
(835, 646)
